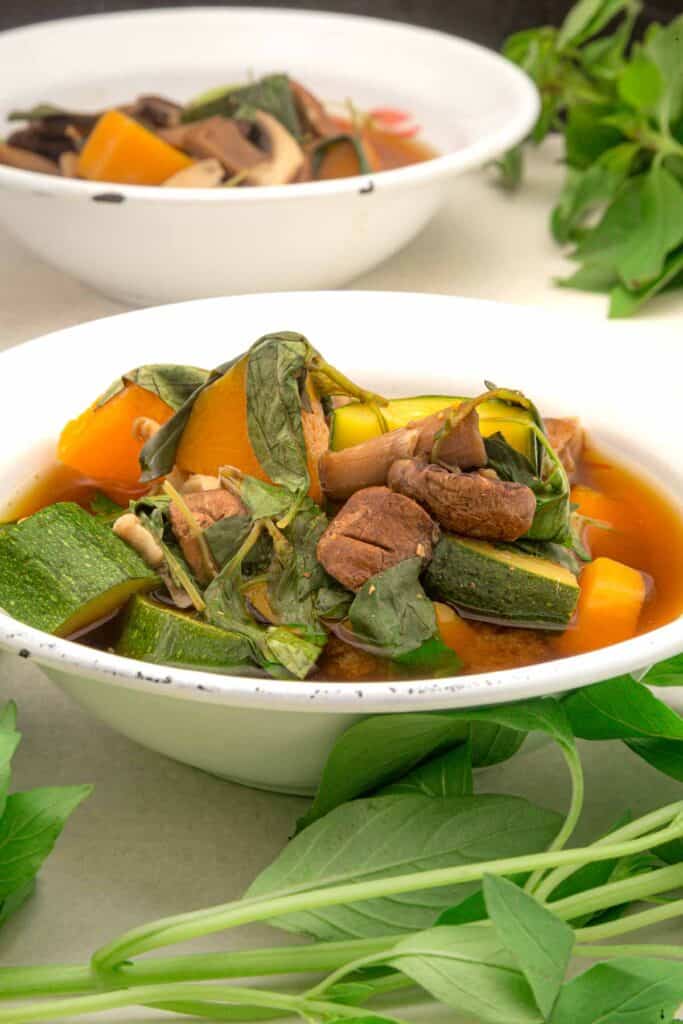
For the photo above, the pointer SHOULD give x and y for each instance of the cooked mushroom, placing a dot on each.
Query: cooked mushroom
(285, 156)
(25, 160)
(207, 173)
(207, 508)
(68, 164)
(463, 446)
(374, 530)
(129, 528)
(217, 137)
(468, 503)
(155, 111)
(315, 118)
(566, 437)
(364, 465)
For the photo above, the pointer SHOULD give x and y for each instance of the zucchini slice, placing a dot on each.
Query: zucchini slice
(351, 424)
(500, 584)
(62, 569)
(152, 632)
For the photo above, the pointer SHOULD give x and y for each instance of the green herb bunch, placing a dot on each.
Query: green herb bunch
(618, 104)
(412, 887)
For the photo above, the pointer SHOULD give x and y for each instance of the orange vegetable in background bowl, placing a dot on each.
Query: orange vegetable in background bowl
(120, 150)
(100, 444)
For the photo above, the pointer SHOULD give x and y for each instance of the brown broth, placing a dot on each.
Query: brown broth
(648, 537)
(386, 151)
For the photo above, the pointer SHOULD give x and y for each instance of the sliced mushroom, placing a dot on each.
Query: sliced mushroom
(311, 111)
(207, 508)
(217, 137)
(155, 111)
(25, 160)
(462, 447)
(68, 164)
(207, 173)
(286, 157)
(129, 529)
(364, 465)
(566, 437)
(198, 482)
(373, 531)
(467, 503)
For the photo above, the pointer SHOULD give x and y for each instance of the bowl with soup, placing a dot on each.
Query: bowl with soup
(168, 155)
(230, 559)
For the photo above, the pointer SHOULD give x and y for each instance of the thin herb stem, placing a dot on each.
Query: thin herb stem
(632, 923)
(344, 970)
(630, 949)
(194, 527)
(216, 1011)
(573, 762)
(184, 927)
(615, 893)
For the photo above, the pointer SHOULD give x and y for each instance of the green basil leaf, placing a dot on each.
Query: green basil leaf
(659, 231)
(621, 708)
(9, 741)
(538, 941)
(585, 191)
(390, 835)
(551, 489)
(379, 750)
(8, 717)
(264, 501)
(587, 136)
(625, 303)
(511, 168)
(448, 774)
(29, 829)
(171, 383)
(105, 508)
(15, 901)
(392, 612)
(297, 654)
(664, 47)
(590, 278)
(226, 536)
(433, 659)
(664, 755)
(666, 673)
(586, 18)
(468, 969)
(640, 84)
(276, 374)
(623, 989)
(271, 94)
(613, 234)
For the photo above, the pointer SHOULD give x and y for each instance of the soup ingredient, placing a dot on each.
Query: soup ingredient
(164, 636)
(205, 508)
(501, 584)
(121, 150)
(468, 503)
(30, 822)
(207, 173)
(25, 160)
(566, 437)
(218, 139)
(375, 530)
(101, 444)
(618, 105)
(129, 528)
(286, 157)
(62, 569)
(612, 598)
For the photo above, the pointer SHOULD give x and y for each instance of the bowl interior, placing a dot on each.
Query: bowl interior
(395, 343)
(457, 91)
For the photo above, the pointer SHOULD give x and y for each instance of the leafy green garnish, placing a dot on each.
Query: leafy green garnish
(171, 383)
(326, 144)
(391, 612)
(271, 94)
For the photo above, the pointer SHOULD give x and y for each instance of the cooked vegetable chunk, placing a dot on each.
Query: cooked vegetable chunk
(466, 503)
(612, 598)
(167, 637)
(501, 584)
(566, 437)
(62, 569)
(374, 530)
(121, 150)
(206, 508)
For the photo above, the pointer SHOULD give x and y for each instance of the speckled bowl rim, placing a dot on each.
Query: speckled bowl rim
(490, 145)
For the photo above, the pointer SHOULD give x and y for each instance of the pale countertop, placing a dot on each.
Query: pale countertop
(158, 838)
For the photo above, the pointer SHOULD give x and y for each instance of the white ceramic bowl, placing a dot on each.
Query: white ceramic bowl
(276, 734)
(148, 245)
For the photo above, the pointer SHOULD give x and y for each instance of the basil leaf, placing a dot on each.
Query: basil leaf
(171, 383)
(8, 717)
(389, 835)
(226, 536)
(664, 755)
(392, 612)
(16, 900)
(588, 135)
(276, 373)
(157, 458)
(625, 303)
(448, 774)
(621, 708)
(612, 235)
(468, 969)
(325, 144)
(511, 167)
(660, 229)
(433, 659)
(538, 941)
(381, 749)
(664, 47)
(586, 18)
(264, 501)
(271, 94)
(590, 278)
(105, 508)
(640, 84)
(9, 741)
(551, 490)
(666, 673)
(623, 989)
(585, 191)
(29, 829)
(297, 654)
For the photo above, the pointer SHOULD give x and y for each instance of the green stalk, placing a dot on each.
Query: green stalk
(632, 923)
(616, 893)
(216, 1011)
(647, 950)
(184, 927)
(19, 982)
(573, 762)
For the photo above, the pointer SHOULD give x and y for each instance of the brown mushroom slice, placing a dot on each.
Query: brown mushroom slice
(373, 531)
(567, 438)
(207, 173)
(285, 156)
(462, 447)
(68, 164)
(25, 160)
(471, 504)
(155, 111)
(311, 111)
(367, 464)
(217, 137)
(207, 508)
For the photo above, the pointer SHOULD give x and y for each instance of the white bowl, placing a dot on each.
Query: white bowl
(147, 245)
(276, 734)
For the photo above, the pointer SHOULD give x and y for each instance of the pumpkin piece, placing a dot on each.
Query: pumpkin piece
(120, 150)
(100, 444)
(610, 603)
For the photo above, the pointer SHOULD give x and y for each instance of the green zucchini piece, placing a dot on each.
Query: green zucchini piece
(62, 569)
(351, 424)
(500, 584)
(152, 632)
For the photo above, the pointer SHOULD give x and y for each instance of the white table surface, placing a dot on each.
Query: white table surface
(158, 838)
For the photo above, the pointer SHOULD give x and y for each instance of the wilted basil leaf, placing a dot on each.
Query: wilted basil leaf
(392, 612)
